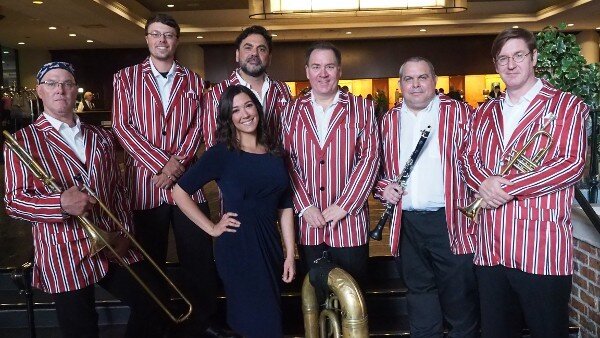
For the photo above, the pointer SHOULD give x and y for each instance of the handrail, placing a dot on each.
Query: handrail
(587, 209)
(593, 173)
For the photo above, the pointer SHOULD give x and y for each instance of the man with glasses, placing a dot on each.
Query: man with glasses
(525, 239)
(253, 54)
(63, 266)
(432, 241)
(157, 119)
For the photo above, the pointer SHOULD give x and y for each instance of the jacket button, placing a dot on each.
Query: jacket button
(322, 188)
(164, 132)
(322, 161)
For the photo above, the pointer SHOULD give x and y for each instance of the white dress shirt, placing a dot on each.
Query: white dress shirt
(262, 96)
(512, 113)
(323, 116)
(71, 135)
(425, 186)
(164, 84)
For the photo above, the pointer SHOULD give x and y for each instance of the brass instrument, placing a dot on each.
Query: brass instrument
(346, 293)
(99, 238)
(519, 161)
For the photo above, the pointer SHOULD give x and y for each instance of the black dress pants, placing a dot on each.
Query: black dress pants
(440, 285)
(508, 295)
(77, 314)
(352, 259)
(195, 253)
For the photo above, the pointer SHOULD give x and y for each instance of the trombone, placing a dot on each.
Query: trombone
(519, 161)
(99, 238)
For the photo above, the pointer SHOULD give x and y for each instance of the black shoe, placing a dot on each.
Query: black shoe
(216, 332)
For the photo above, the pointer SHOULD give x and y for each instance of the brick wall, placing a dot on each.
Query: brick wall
(585, 293)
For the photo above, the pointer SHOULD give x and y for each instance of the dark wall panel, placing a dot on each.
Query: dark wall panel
(94, 68)
(367, 58)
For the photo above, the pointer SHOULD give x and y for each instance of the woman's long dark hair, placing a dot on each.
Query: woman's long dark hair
(226, 131)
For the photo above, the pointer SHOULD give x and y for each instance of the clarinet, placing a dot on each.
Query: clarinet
(377, 233)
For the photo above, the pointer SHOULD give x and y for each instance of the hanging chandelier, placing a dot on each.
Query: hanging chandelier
(272, 9)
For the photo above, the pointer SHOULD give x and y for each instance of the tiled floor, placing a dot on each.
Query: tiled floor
(15, 235)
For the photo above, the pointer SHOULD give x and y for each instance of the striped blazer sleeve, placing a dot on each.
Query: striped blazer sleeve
(389, 136)
(26, 197)
(361, 180)
(474, 169)
(135, 143)
(302, 199)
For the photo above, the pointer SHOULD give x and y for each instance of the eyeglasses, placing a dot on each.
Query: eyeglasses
(158, 35)
(517, 58)
(54, 84)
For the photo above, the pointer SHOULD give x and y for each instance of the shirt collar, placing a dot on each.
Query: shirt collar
(336, 98)
(435, 103)
(57, 124)
(156, 73)
(245, 84)
(528, 97)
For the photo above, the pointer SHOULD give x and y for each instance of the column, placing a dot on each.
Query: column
(588, 41)
(192, 56)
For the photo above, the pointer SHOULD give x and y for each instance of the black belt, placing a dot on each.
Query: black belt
(423, 212)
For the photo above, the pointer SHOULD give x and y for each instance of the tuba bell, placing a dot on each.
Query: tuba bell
(345, 312)
(99, 238)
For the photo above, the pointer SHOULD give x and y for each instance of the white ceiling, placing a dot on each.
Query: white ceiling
(119, 24)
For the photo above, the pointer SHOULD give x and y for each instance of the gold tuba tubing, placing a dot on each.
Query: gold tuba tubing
(354, 320)
(519, 161)
(99, 238)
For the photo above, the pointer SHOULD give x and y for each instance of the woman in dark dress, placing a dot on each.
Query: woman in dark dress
(248, 167)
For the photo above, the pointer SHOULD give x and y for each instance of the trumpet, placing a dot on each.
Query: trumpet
(519, 161)
(99, 238)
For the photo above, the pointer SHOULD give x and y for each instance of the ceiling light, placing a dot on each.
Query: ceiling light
(72, 34)
(570, 24)
(89, 41)
(273, 34)
(20, 43)
(199, 37)
(597, 27)
(271, 9)
(51, 27)
(515, 26)
(422, 30)
(170, 6)
(348, 33)
(6, 52)
(38, 2)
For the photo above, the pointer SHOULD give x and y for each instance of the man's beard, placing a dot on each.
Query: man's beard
(257, 71)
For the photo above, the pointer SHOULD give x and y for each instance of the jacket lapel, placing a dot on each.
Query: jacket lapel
(536, 108)
(151, 85)
(56, 143)
(179, 82)
(337, 117)
(307, 115)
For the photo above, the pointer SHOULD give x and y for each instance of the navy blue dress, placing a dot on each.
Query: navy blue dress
(249, 261)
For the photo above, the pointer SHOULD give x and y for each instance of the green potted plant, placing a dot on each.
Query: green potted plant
(560, 62)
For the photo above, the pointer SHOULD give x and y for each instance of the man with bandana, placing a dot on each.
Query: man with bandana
(64, 266)
(253, 54)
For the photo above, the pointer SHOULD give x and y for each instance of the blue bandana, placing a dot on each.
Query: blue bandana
(54, 65)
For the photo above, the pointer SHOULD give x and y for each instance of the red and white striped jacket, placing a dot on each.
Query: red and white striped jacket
(278, 96)
(455, 118)
(533, 232)
(149, 135)
(342, 172)
(61, 246)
